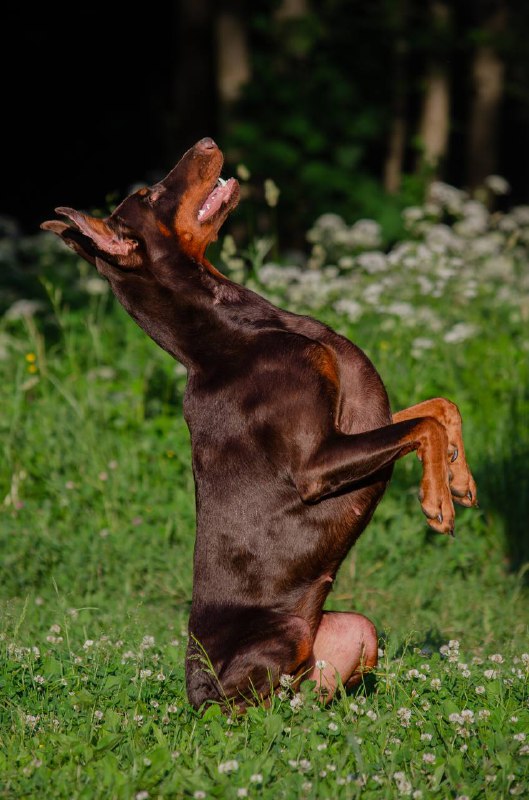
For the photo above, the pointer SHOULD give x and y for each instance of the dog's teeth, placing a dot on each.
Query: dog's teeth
(222, 182)
(201, 213)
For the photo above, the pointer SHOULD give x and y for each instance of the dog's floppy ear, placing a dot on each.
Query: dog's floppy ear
(95, 238)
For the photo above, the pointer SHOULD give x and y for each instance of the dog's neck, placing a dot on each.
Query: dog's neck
(182, 304)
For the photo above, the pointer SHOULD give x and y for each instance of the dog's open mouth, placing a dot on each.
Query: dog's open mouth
(222, 195)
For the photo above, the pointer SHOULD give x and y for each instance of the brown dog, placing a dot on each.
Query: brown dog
(292, 435)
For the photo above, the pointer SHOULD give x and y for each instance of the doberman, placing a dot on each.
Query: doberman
(293, 442)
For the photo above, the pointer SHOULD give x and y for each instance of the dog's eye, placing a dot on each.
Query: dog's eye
(144, 192)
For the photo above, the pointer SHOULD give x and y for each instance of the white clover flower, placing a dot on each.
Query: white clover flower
(491, 674)
(242, 792)
(496, 658)
(524, 750)
(435, 683)
(404, 787)
(428, 758)
(426, 737)
(332, 726)
(228, 766)
(519, 737)
(256, 778)
(98, 714)
(296, 702)
(480, 690)
(456, 719)
(371, 715)
(88, 644)
(199, 794)
(404, 716)
(321, 664)
(145, 673)
(484, 713)
(286, 681)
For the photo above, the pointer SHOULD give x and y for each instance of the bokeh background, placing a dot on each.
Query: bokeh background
(347, 105)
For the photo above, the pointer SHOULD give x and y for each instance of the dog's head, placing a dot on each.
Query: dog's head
(183, 212)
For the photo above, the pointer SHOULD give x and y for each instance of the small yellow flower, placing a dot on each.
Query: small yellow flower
(31, 358)
(32, 368)
(170, 453)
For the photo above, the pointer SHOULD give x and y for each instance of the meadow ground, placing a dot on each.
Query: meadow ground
(97, 525)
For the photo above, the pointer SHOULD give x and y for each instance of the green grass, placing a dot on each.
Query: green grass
(96, 535)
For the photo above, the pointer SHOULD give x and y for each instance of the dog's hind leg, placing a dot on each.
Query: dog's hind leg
(255, 659)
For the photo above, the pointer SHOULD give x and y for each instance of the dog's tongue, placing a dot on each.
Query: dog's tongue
(218, 197)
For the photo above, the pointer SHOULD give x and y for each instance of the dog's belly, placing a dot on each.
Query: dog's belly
(261, 545)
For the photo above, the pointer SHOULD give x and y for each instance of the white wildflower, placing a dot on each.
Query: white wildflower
(228, 766)
(497, 184)
(496, 658)
(296, 702)
(460, 332)
(404, 716)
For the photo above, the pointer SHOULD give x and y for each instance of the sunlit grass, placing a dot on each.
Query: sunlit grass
(96, 531)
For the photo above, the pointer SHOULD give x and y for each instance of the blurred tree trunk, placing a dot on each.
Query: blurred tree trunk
(289, 9)
(488, 71)
(194, 87)
(233, 56)
(397, 134)
(434, 125)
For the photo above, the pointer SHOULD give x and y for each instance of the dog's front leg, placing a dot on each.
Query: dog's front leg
(341, 461)
(462, 484)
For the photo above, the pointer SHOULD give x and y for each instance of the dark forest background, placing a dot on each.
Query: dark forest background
(348, 106)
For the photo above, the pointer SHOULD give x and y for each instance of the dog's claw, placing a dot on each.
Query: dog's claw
(454, 455)
(469, 495)
(439, 517)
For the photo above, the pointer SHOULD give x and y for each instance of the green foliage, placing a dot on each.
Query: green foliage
(317, 110)
(97, 526)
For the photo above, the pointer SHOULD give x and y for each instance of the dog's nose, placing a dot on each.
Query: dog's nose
(206, 143)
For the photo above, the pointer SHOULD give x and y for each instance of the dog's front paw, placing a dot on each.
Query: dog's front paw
(462, 484)
(437, 506)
